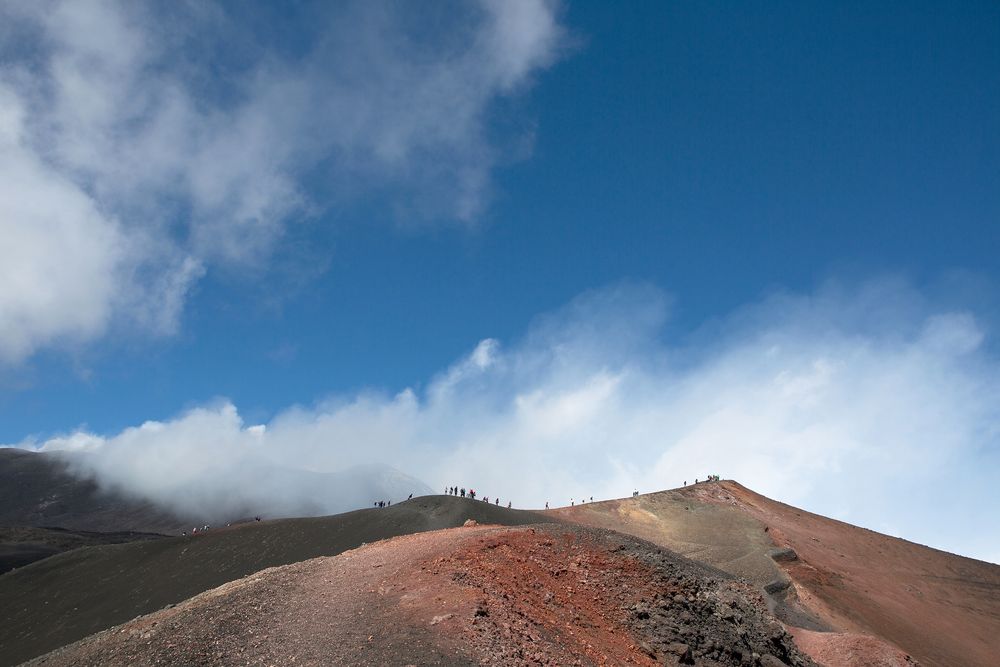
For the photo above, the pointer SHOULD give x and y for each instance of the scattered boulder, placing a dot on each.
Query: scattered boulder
(777, 586)
(784, 555)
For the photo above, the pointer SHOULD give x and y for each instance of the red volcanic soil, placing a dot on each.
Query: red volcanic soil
(849, 648)
(544, 594)
(941, 608)
(866, 593)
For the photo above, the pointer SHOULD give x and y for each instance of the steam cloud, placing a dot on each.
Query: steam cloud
(871, 405)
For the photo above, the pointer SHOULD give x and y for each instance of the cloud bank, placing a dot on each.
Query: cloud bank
(873, 405)
(142, 144)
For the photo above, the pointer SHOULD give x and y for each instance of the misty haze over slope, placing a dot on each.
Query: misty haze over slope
(60, 489)
(844, 402)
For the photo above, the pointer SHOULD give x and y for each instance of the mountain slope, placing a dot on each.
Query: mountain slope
(20, 545)
(38, 489)
(941, 608)
(545, 594)
(66, 597)
(62, 489)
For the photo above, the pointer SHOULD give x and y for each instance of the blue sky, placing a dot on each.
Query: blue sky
(245, 212)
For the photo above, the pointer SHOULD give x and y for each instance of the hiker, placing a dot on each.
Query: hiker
(390, 503)
(592, 499)
(486, 499)
(685, 482)
(410, 496)
(571, 503)
(498, 501)
(508, 504)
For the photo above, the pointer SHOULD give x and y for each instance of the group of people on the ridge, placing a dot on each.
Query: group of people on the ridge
(204, 529)
(471, 494)
(710, 478)
(196, 530)
(388, 503)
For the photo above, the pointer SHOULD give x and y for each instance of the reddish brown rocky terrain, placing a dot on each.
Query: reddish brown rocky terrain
(544, 594)
(851, 596)
(762, 583)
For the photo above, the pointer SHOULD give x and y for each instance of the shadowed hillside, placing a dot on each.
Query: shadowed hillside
(36, 489)
(69, 596)
(58, 489)
(20, 545)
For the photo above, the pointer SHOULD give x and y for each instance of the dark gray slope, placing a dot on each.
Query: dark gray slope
(66, 597)
(36, 489)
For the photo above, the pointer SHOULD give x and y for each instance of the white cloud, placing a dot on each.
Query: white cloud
(145, 143)
(60, 256)
(841, 402)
